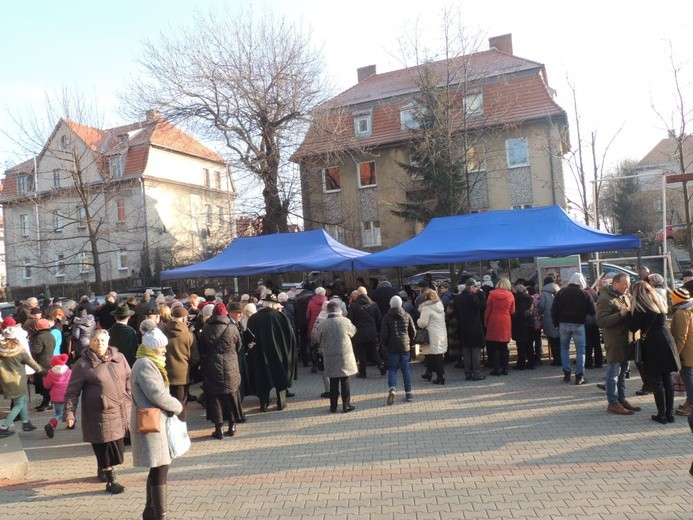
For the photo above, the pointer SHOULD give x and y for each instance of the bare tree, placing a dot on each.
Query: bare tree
(246, 81)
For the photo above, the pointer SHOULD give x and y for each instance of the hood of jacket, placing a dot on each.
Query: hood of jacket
(551, 288)
(384, 283)
(86, 321)
(175, 328)
(397, 312)
(59, 369)
(435, 306)
(362, 299)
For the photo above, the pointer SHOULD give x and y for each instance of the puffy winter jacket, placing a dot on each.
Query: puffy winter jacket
(366, 317)
(56, 380)
(219, 344)
(398, 331)
(314, 308)
(82, 330)
(42, 344)
(432, 317)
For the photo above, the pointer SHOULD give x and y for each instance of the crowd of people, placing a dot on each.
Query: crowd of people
(118, 360)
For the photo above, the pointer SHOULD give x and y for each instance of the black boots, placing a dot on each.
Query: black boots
(101, 475)
(155, 508)
(112, 485)
(566, 376)
(218, 434)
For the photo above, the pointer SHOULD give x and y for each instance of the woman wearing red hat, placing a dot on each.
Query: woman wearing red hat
(56, 380)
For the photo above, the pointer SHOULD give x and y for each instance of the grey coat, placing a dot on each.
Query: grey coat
(150, 450)
(548, 293)
(334, 336)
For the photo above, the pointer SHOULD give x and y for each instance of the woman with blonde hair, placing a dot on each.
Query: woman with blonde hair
(500, 306)
(659, 354)
(432, 318)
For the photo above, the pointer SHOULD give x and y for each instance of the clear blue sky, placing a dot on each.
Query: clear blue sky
(614, 52)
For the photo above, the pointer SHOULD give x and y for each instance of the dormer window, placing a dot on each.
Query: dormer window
(25, 183)
(363, 124)
(408, 117)
(474, 105)
(116, 166)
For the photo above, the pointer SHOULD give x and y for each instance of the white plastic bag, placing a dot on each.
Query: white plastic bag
(177, 434)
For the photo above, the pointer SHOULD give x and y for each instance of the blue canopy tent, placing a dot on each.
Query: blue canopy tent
(495, 235)
(278, 253)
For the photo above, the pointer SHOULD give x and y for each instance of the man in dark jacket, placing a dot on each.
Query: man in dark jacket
(397, 334)
(366, 317)
(42, 344)
(383, 294)
(104, 315)
(569, 312)
(300, 313)
(469, 311)
(272, 360)
(123, 336)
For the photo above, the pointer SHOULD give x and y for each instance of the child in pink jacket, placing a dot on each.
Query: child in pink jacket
(56, 380)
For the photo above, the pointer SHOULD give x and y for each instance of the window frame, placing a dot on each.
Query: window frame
(56, 179)
(84, 263)
(58, 221)
(26, 268)
(120, 254)
(217, 179)
(209, 215)
(474, 105)
(120, 211)
(60, 266)
(324, 179)
(522, 206)
(81, 217)
(206, 178)
(24, 224)
(406, 114)
(369, 226)
(116, 166)
(358, 175)
(25, 183)
(507, 152)
(366, 116)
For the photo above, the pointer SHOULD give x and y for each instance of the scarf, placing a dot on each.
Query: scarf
(7, 351)
(159, 361)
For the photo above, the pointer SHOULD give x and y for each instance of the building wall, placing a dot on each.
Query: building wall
(172, 166)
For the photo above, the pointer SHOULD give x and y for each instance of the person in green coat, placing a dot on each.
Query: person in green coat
(13, 357)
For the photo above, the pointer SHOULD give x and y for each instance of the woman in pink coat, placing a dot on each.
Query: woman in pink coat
(500, 306)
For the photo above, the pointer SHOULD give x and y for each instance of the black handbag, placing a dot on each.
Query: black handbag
(637, 350)
(421, 337)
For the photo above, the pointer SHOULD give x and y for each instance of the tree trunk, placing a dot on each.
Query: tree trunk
(95, 257)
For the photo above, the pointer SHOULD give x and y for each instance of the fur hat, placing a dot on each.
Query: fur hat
(154, 339)
(42, 324)
(60, 359)
(395, 302)
(219, 310)
(179, 312)
(8, 322)
(320, 290)
(679, 296)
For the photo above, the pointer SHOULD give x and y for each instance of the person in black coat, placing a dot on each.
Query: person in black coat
(219, 344)
(366, 317)
(648, 314)
(382, 296)
(469, 306)
(300, 312)
(523, 328)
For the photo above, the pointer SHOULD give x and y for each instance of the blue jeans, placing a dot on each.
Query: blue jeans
(20, 409)
(395, 361)
(58, 410)
(577, 332)
(687, 376)
(616, 381)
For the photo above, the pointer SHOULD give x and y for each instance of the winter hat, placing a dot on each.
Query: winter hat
(207, 310)
(179, 312)
(679, 296)
(470, 282)
(320, 290)
(486, 278)
(282, 297)
(219, 310)
(395, 302)
(35, 310)
(235, 307)
(403, 295)
(147, 325)
(10, 333)
(161, 299)
(245, 298)
(578, 279)
(154, 339)
(520, 288)
(60, 359)
(251, 307)
(8, 322)
(42, 324)
(176, 304)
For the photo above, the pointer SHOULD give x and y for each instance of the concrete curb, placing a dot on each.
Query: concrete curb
(13, 461)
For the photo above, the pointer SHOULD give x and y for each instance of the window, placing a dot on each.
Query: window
(522, 206)
(222, 216)
(122, 259)
(60, 267)
(81, 217)
(64, 142)
(120, 206)
(476, 159)
(335, 231)
(26, 270)
(56, 178)
(59, 221)
(331, 179)
(116, 166)
(474, 105)
(362, 125)
(205, 176)
(370, 233)
(209, 214)
(24, 224)
(517, 152)
(217, 179)
(25, 183)
(408, 118)
(367, 174)
(84, 262)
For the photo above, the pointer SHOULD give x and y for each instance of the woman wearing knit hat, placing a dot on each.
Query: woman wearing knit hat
(219, 344)
(150, 389)
(100, 377)
(13, 357)
(683, 337)
(56, 380)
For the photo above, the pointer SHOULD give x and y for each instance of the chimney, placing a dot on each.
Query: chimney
(365, 72)
(153, 115)
(503, 43)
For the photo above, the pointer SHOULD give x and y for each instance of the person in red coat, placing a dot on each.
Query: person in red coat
(500, 306)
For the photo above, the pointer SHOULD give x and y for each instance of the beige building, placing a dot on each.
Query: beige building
(513, 132)
(127, 201)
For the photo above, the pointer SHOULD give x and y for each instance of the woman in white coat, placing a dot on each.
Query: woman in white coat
(432, 318)
(149, 383)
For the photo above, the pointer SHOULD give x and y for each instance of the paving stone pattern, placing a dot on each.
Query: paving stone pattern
(522, 446)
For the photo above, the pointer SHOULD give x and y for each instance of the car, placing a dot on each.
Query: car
(438, 277)
(607, 268)
(675, 232)
(7, 310)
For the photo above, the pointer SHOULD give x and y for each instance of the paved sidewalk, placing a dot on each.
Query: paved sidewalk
(522, 446)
